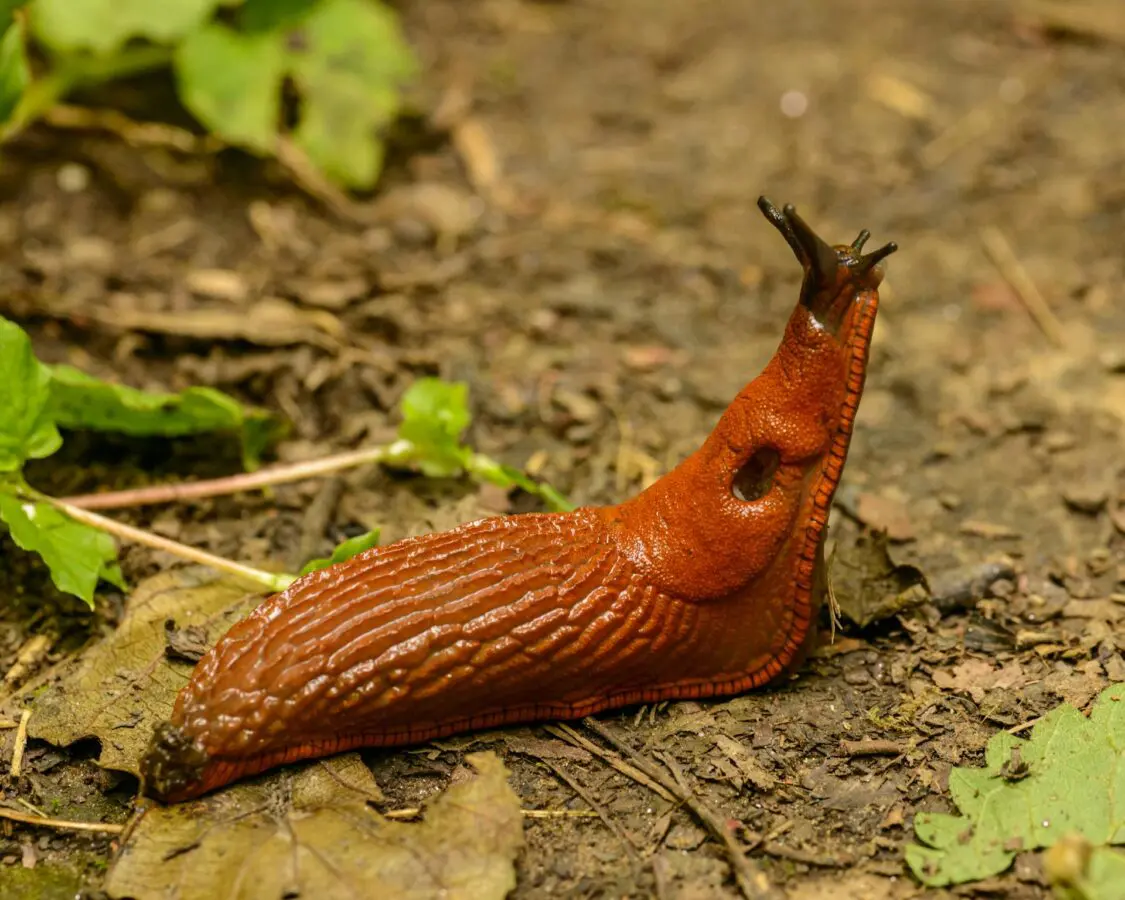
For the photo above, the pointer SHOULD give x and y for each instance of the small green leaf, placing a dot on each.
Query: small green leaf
(271, 15)
(79, 400)
(434, 413)
(490, 470)
(14, 73)
(27, 430)
(1071, 781)
(232, 83)
(349, 60)
(76, 554)
(7, 10)
(344, 551)
(104, 25)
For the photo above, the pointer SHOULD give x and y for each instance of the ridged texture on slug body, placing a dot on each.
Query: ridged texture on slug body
(705, 584)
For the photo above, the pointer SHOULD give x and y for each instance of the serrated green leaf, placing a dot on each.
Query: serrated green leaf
(102, 26)
(434, 413)
(76, 554)
(14, 73)
(344, 551)
(27, 430)
(231, 82)
(79, 400)
(1071, 780)
(349, 59)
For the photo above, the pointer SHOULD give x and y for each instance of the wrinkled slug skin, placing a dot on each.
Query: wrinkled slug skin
(705, 584)
(502, 619)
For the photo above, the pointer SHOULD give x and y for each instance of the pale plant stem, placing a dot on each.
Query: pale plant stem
(218, 487)
(256, 577)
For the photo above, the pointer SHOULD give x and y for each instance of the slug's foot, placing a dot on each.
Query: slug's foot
(173, 764)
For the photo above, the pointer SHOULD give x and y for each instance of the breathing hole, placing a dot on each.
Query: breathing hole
(755, 478)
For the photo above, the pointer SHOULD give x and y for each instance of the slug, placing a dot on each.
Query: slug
(705, 584)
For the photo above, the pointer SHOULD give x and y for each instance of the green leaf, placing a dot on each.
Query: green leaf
(76, 554)
(271, 15)
(434, 413)
(102, 26)
(1071, 780)
(14, 73)
(79, 400)
(7, 10)
(27, 430)
(232, 82)
(490, 470)
(344, 551)
(349, 60)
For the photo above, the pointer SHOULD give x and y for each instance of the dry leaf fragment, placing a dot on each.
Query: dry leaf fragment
(312, 833)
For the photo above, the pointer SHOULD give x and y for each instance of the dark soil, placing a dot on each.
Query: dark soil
(604, 297)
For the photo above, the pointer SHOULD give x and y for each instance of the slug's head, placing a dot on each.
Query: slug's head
(833, 275)
(173, 765)
(746, 513)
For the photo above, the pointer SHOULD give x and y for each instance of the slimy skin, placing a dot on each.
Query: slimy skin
(706, 584)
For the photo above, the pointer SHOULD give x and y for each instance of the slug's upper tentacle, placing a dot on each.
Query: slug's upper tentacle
(833, 275)
(818, 258)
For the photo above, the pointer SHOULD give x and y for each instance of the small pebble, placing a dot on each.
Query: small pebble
(1087, 497)
(857, 677)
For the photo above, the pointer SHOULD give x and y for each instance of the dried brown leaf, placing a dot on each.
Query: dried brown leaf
(121, 686)
(310, 832)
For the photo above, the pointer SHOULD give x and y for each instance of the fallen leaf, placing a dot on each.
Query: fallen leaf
(1075, 688)
(1071, 779)
(849, 793)
(119, 688)
(310, 832)
(976, 677)
(746, 763)
(869, 586)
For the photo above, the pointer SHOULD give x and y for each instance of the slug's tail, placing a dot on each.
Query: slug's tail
(833, 275)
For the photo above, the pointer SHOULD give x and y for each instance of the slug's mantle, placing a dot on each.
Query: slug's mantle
(705, 584)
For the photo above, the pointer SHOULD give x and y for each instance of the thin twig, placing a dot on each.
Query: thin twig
(751, 879)
(1013, 272)
(310, 179)
(233, 484)
(609, 823)
(62, 824)
(132, 132)
(872, 748)
(27, 657)
(413, 812)
(257, 577)
(20, 743)
(568, 734)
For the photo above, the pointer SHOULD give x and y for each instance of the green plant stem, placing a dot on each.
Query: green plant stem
(85, 70)
(256, 577)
